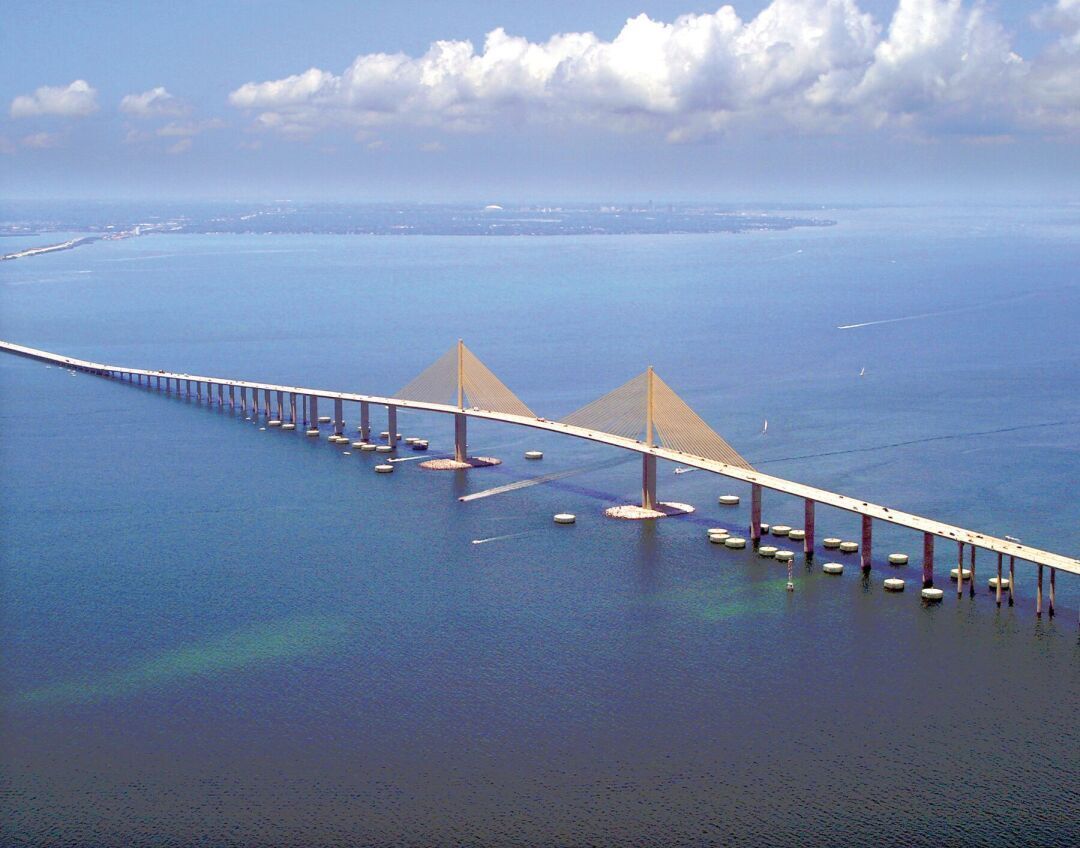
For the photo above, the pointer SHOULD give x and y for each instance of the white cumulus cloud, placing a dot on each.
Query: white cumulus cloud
(813, 66)
(155, 103)
(74, 101)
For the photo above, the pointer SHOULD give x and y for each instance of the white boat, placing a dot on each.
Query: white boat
(862, 372)
(765, 427)
(682, 470)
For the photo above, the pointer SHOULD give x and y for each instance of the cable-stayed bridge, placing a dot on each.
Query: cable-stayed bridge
(643, 415)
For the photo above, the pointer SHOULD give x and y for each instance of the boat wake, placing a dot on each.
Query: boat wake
(500, 538)
(937, 314)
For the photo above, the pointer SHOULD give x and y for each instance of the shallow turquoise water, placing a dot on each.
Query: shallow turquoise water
(211, 629)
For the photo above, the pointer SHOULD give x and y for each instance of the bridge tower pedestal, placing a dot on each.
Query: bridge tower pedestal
(459, 437)
(648, 481)
(808, 528)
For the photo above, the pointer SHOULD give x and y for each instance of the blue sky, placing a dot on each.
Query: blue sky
(801, 100)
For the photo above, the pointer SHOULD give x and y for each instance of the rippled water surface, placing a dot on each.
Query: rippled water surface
(218, 634)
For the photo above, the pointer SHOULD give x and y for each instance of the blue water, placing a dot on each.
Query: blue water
(215, 632)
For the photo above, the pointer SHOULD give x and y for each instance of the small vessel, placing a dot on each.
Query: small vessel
(862, 372)
(682, 470)
(765, 427)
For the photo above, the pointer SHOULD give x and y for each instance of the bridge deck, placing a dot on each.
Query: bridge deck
(799, 490)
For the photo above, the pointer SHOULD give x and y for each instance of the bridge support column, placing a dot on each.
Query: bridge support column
(1038, 594)
(232, 397)
(280, 405)
(1053, 587)
(808, 528)
(339, 418)
(997, 589)
(198, 391)
(243, 399)
(960, 571)
(971, 585)
(391, 425)
(927, 560)
(266, 402)
(313, 403)
(755, 513)
(1012, 578)
(255, 404)
(292, 407)
(867, 543)
(305, 402)
(459, 436)
(221, 394)
(648, 481)
(365, 421)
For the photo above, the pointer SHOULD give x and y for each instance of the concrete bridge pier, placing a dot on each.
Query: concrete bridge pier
(1012, 578)
(232, 397)
(459, 437)
(339, 417)
(391, 425)
(867, 543)
(1053, 587)
(927, 560)
(187, 388)
(1038, 593)
(243, 399)
(254, 404)
(292, 407)
(280, 405)
(808, 527)
(648, 481)
(221, 394)
(997, 588)
(971, 585)
(365, 421)
(755, 514)
(960, 571)
(266, 403)
(198, 391)
(313, 405)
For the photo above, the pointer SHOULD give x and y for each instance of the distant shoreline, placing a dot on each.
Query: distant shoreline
(492, 220)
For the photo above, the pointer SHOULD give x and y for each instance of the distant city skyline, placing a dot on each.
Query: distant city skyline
(789, 100)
